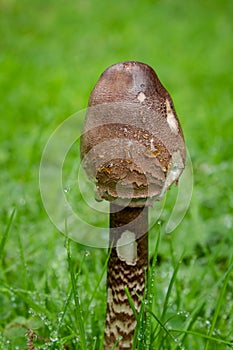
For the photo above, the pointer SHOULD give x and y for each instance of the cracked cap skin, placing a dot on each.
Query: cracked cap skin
(132, 146)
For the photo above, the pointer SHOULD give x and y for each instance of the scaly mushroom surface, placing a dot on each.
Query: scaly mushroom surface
(133, 149)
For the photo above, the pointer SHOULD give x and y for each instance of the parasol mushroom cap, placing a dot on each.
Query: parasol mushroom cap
(132, 144)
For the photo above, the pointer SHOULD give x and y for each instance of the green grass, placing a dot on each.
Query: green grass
(52, 293)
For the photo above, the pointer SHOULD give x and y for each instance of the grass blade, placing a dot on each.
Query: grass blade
(78, 312)
(131, 303)
(168, 332)
(191, 320)
(172, 281)
(27, 278)
(150, 296)
(219, 303)
(204, 336)
(6, 232)
(99, 280)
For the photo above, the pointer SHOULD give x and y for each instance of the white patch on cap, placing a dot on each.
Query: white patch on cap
(177, 166)
(127, 248)
(171, 119)
(141, 97)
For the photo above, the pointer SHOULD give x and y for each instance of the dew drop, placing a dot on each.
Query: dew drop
(97, 197)
(75, 340)
(140, 337)
(42, 317)
(54, 336)
(66, 189)
(60, 316)
(22, 201)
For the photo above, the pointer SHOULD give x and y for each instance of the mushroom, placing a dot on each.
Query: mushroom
(132, 148)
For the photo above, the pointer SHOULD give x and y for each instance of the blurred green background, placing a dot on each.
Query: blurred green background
(51, 55)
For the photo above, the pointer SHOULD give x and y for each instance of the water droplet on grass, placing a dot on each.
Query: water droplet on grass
(60, 316)
(67, 189)
(22, 201)
(75, 340)
(140, 337)
(54, 336)
(97, 197)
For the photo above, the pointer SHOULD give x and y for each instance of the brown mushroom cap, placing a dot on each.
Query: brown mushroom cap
(132, 144)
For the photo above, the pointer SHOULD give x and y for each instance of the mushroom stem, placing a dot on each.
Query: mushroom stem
(127, 267)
